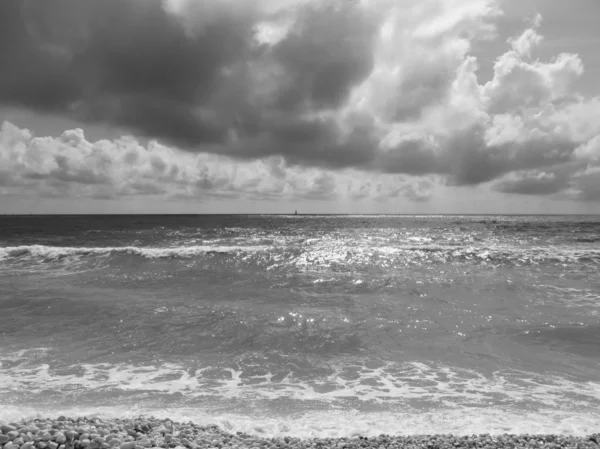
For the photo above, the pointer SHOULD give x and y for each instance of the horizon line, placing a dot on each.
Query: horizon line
(257, 214)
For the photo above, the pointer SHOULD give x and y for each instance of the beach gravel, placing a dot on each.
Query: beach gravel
(148, 433)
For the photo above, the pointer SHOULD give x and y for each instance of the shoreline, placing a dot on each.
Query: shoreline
(150, 432)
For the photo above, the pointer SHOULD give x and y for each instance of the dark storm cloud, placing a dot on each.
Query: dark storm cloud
(427, 83)
(317, 142)
(166, 118)
(125, 62)
(413, 157)
(31, 75)
(474, 162)
(133, 64)
(324, 55)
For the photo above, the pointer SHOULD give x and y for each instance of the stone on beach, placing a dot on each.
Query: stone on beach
(12, 435)
(152, 433)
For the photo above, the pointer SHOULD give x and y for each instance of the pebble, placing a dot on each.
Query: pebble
(13, 434)
(151, 433)
(70, 434)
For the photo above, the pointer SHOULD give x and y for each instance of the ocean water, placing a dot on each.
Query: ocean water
(305, 325)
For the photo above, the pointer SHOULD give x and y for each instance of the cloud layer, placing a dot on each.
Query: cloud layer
(278, 91)
(71, 166)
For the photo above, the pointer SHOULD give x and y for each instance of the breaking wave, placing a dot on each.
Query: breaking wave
(320, 253)
(459, 398)
(51, 253)
(407, 385)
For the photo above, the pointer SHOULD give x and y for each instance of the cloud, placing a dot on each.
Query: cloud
(314, 86)
(72, 166)
(533, 183)
(587, 184)
(589, 153)
(586, 180)
(524, 44)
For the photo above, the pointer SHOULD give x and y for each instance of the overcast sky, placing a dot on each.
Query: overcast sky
(349, 106)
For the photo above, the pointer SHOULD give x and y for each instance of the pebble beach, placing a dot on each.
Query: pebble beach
(142, 433)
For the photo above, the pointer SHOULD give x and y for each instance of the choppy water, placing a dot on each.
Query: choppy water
(305, 325)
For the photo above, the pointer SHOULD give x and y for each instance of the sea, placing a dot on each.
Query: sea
(305, 325)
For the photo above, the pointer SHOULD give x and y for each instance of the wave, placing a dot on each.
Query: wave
(409, 385)
(59, 252)
(324, 253)
(588, 239)
(413, 398)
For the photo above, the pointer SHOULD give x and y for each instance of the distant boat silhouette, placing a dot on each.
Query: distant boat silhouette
(295, 212)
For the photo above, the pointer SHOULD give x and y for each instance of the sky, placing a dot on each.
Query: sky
(320, 106)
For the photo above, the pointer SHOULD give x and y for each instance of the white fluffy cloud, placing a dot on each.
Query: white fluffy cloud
(72, 166)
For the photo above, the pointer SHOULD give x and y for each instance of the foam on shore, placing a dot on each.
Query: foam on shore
(347, 424)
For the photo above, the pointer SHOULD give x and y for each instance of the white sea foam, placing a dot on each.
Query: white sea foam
(406, 384)
(57, 252)
(24, 354)
(325, 252)
(337, 423)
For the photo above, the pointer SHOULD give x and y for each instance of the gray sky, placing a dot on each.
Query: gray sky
(365, 106)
